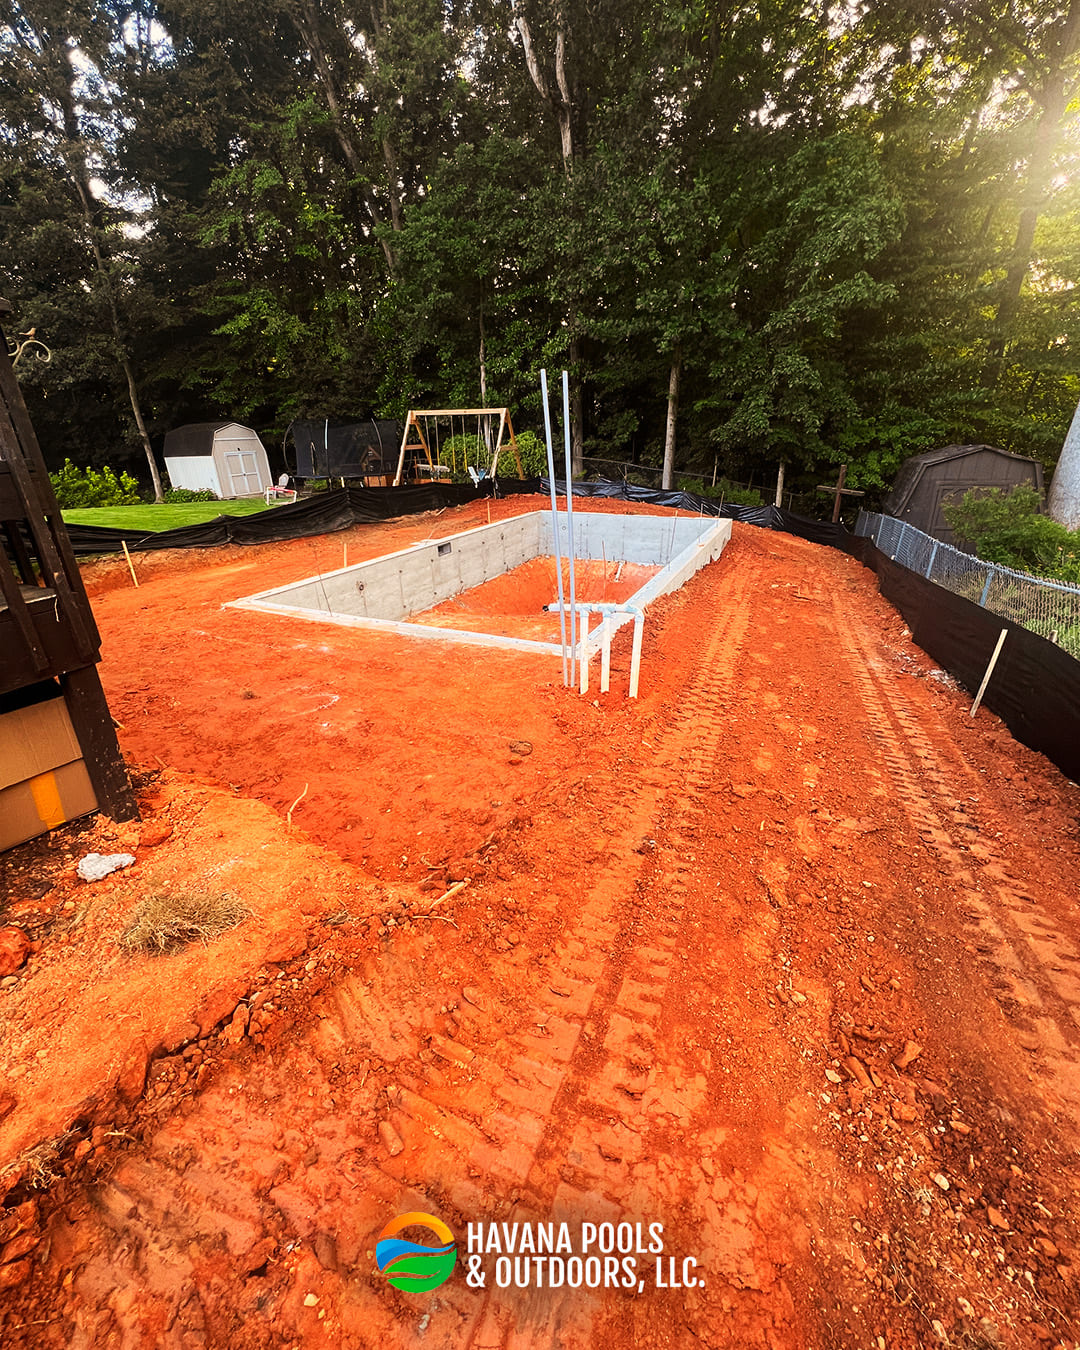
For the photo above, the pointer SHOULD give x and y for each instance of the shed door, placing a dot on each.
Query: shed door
(242, 470)
(947, 494)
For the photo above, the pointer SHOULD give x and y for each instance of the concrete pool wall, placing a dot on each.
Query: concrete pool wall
(382, 592)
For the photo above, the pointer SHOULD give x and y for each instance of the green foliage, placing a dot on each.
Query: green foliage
(190, 495)
(533, 453)
(1006, 528)
(75, 487)
(721, 490)
(816, 216)
(456, 452)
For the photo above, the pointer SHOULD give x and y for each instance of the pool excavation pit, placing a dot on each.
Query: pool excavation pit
(497, 585)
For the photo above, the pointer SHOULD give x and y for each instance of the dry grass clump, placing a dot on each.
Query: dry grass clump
(171, 920)
(43, 1161)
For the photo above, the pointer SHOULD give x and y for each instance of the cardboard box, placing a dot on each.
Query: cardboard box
(35, 739)
(45, 801)
(43, 779)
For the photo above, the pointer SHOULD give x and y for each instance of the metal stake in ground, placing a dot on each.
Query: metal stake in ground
(569, 515)
(554, 517)
(839, 492)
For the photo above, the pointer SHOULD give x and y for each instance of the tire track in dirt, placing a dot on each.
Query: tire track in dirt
(578, 1075)
(1030, 963)
(506, 1113)
(650, 1068)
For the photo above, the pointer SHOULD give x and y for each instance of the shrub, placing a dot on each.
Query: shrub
(190, 495)
(1006, 528)
(459, 450)
(77, 488)
(722, 490)
(533, 452)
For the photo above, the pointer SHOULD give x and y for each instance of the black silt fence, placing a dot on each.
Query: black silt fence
(324, 513)
(1035, 688)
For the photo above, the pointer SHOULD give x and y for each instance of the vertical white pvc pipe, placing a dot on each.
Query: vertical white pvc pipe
(635, 658)
(605, 654)
(569, 516)
(554, 520)
(583, 664)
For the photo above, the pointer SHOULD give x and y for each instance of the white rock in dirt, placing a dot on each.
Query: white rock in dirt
(96, 866)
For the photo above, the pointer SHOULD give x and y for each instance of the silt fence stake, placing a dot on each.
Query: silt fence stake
(989, 670)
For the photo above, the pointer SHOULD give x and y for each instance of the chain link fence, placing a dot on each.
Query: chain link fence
(1049, 608)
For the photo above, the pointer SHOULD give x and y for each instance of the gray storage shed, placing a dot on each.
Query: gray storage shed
(225, 457)
(937, 478)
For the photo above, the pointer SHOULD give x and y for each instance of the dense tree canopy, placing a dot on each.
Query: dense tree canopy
(822, 234)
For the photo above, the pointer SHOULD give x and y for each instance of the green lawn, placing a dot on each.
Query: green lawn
(165, 516)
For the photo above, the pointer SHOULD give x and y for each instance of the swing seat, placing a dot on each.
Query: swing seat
(431, 471)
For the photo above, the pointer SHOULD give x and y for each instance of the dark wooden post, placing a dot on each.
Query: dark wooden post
(839, 492)
(47, 629)
(93, 725)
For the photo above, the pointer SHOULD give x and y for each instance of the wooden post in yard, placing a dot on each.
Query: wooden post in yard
(47, 629)
(839, 492)
(93, 725)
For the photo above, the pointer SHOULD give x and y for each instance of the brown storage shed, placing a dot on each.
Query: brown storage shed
(938, 478)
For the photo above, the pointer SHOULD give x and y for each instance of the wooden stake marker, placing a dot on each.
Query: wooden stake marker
(989, 671)
(131, 565)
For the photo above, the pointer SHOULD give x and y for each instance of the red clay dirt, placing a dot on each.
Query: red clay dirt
(513, 604)
(783, 956)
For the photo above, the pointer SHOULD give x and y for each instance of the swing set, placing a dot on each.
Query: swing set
(415, 458)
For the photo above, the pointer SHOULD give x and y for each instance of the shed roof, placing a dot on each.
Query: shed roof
(913, 469)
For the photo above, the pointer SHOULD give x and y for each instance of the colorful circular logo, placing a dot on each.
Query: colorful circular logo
(410, 1265)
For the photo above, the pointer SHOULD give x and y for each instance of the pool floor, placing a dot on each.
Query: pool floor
(512, 605)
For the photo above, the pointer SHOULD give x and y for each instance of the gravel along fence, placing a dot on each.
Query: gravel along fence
(1049, 608)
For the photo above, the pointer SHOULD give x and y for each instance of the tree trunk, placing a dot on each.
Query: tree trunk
(577, 414)
(780, 484)
(1054, 100)
(1063, 502)
(136, 408)
(309, 35)
(558, 98)
(483, 385)
(667, 481)
(562, 105)
(391, 160)
(75, 160)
